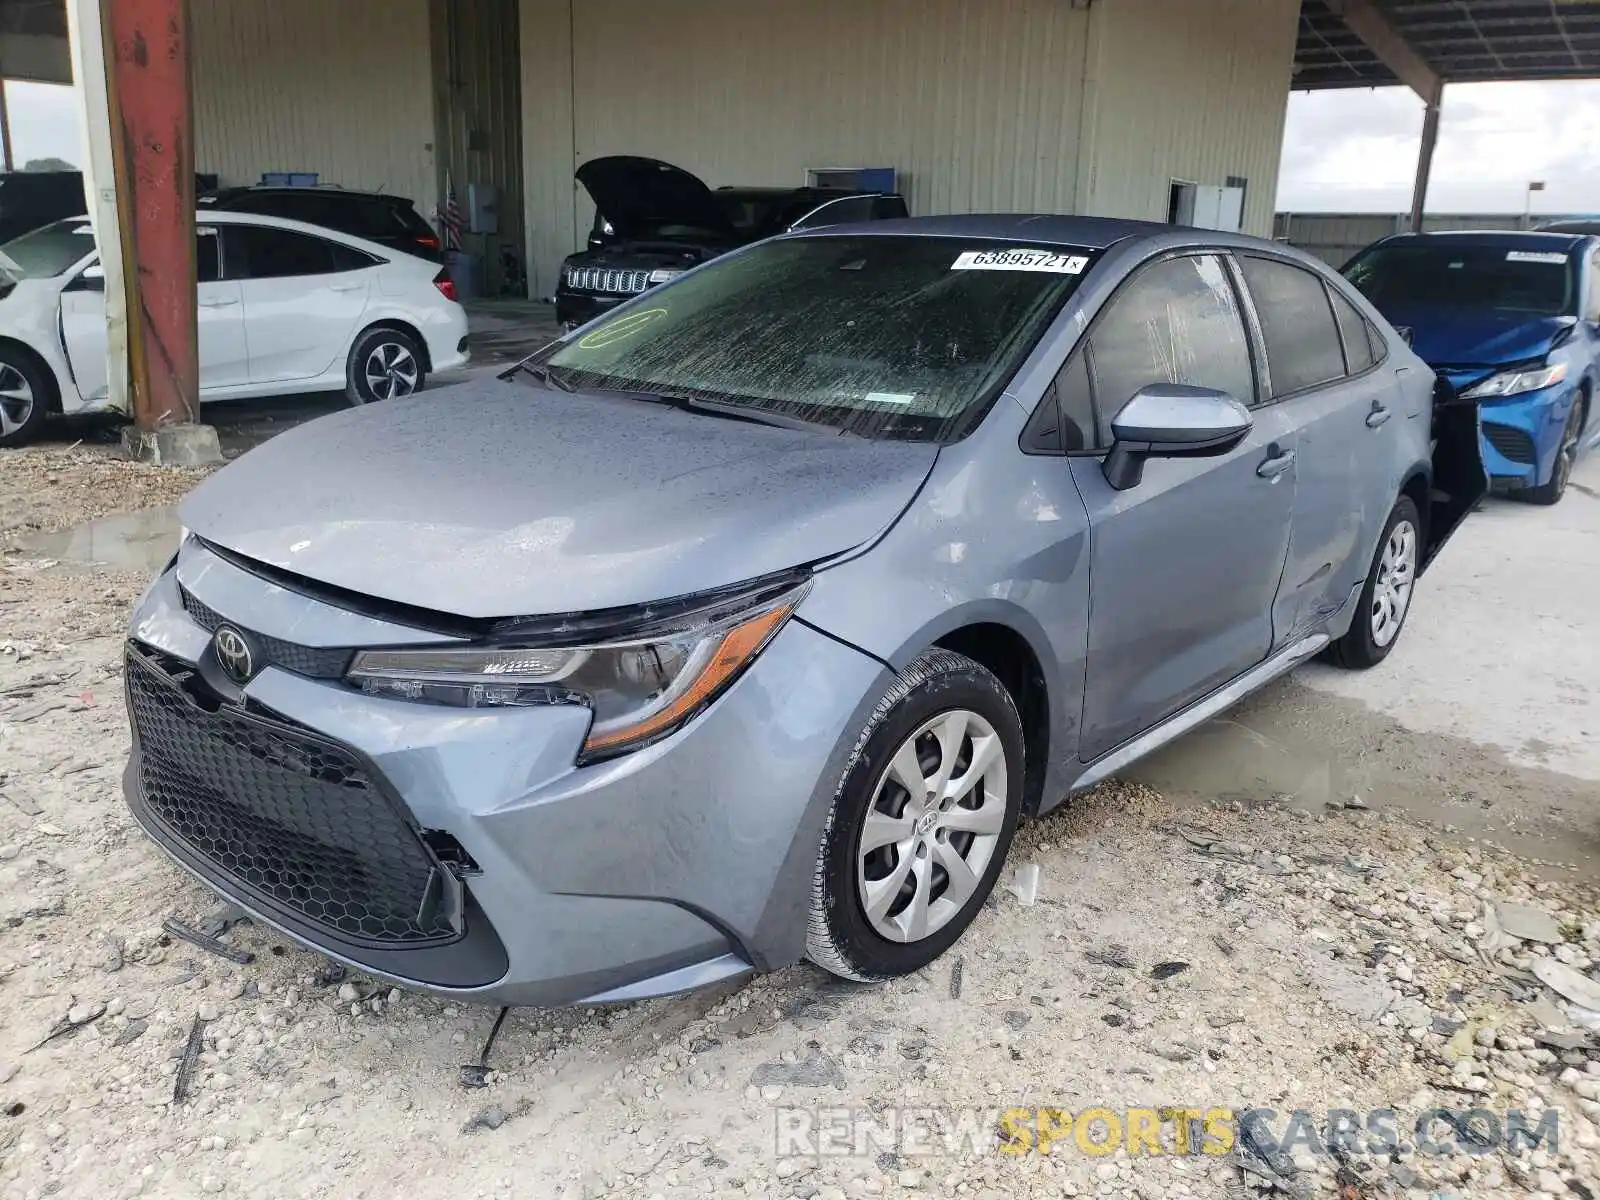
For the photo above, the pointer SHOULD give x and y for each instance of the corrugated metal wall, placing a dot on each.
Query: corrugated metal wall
(1335, 237)
(340, 88)
(1188, 90)
(975, 102)
(477, 111)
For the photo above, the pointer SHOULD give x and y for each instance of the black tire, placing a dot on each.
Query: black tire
(26, 395)
(403, 356)
(1359, 648)
(1551, 491)
(840, 936)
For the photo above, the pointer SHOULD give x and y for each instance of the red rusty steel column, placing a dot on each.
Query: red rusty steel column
(147, 69)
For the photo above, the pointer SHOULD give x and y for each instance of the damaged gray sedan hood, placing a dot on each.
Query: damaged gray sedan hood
(497, 499)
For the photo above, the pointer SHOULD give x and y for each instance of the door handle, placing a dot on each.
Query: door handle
(228, 303)
(1278, 461)
(1378, 415)
(346, 287)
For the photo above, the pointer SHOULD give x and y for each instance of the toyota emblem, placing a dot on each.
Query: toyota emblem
(234, 655)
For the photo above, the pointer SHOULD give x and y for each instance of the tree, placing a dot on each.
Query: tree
(48, 164)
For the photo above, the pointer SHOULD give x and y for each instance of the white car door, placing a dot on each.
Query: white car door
(303, 296)
(224, 361)
(83, 330)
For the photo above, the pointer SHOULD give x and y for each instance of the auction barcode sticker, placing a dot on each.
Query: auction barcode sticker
(1049, 261)
(1539, 256)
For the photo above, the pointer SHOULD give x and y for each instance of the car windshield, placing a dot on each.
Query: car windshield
(892, 337)
(1524, 279)
(47, 251)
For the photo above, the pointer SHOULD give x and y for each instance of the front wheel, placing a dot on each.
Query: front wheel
(384, 364)
(1566, 458)
(23, 403)
(921, 821)
(1386, 598)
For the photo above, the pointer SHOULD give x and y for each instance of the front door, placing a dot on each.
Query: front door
(1185, 566)
(83, 331)
(302, 297)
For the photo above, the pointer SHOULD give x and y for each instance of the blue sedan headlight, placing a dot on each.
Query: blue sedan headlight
(1514, 383)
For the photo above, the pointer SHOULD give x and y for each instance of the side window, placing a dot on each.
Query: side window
(259, 252)
(1176, 322)
(838, 212)
(1297, 324)
(1377, 342)
(1064, 420)
(348, 258)
(1358, 354)
(207, 255)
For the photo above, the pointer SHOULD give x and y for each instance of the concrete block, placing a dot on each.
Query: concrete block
(173, 445)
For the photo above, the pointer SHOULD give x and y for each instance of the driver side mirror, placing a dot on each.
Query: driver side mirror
(91, 279)
(1172, 420)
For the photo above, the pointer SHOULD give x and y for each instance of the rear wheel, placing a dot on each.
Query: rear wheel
(1386, 598)
(921, 821)
(384, 364)
(24, 389)
(1566, 457)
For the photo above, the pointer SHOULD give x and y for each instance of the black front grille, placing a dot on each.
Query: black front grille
(285, 813)
(317, 662)
(1512, 443)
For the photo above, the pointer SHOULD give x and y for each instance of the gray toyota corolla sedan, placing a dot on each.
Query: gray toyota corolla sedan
(746, 622)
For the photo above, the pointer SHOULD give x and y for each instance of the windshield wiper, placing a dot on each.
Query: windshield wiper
(543, 374)
(731, 412)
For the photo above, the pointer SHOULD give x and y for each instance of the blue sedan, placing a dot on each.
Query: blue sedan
(1511, 320)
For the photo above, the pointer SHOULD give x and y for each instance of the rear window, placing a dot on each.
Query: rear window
(1524, 279)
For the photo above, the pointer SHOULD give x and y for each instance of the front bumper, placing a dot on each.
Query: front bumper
(684, 863)
(578, 308)
(1522, 435)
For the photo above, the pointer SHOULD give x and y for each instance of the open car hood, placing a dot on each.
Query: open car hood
(641, 195)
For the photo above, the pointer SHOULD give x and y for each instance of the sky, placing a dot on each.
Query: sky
(1343, 151)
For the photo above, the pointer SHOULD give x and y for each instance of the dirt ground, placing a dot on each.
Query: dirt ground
(1238, 954)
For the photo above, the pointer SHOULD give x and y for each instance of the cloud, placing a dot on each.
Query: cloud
(1357, 150)
(44, 121)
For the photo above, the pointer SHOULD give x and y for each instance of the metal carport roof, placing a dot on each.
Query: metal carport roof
(1461, 41)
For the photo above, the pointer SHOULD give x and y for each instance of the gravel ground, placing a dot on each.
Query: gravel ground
(1194, 958)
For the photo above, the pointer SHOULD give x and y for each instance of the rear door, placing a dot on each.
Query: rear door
(1347, 415)
(303, 298)
(1185, 565)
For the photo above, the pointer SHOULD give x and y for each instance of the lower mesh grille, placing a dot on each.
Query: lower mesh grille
(1512, 443)
(285, 813)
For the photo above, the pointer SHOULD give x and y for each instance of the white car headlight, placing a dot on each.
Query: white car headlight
(640, 689)
(1514, 383)
(663, 274)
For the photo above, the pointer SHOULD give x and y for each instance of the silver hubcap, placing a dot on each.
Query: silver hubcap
(16, 399)
(391, 371)
(932, 827)
(1397, 571)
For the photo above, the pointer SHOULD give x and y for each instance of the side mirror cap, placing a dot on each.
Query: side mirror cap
(1172, 420)
(1407, 334)
(91, 279)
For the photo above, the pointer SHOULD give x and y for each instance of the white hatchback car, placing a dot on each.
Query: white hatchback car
(283, 307)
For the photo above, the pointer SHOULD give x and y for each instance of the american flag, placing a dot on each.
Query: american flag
(450, 223)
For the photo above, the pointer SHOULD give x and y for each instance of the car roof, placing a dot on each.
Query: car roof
(222, 195)
(1491, 239)
(1087, 233)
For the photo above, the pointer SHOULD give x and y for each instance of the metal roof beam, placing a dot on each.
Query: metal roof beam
(1365, 21)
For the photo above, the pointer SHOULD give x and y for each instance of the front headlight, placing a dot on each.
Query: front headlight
(1514, 383)
(662, 274)
(640, 689)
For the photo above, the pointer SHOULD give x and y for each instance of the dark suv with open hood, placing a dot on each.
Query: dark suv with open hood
(654, 221)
